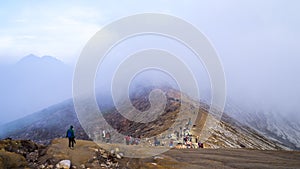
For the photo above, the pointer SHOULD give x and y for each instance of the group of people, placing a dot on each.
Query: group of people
(129, 140)
(187, 139)
(188, 142)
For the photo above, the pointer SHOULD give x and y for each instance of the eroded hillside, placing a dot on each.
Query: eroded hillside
(53, 122)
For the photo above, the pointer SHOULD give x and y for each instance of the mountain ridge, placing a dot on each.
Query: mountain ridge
(50, 123)
(34, 58)
(33, 83)
(276, 128)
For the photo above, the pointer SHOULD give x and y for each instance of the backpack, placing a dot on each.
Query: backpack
(69, 133)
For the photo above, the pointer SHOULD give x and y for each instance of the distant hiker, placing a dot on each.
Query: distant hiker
(131, 140)
(127, 139)
(180, 131)
(177, 134)
(137, 141)
(200, 145)
(197, 138)
(171, 144)
(103, 135)
(184, 140)
(189, 144)
(156, 142)
(107, 137)
(184, 132)
(71, 136)
(189, 122)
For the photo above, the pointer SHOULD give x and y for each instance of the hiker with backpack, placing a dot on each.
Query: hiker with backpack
(127, 139)
(71, 136)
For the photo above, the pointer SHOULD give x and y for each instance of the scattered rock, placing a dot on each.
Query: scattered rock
(42, 166)
(118, 156)
(157, 157)
(121, 154)
(104, 155)
(95, 163)
(102, 151)
(64, 164)
(33, 156)
(82, 166)
(37, 156)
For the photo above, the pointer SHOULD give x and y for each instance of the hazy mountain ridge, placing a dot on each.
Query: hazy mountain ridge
(33, 83)
(52, 122)
(278, 128)
(45, 125)
(31, 59)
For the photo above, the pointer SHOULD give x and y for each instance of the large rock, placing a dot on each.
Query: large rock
(33, 156)
(12, 160)
(64, 164)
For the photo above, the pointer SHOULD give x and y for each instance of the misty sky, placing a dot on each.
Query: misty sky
(257, 41)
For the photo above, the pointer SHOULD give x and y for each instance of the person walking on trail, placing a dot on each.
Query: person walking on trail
(71, 136)
(103, 136)
(127, 139)
(107, 137)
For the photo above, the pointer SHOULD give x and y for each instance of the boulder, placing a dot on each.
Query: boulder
(118, 156)
(33, 156)
(64, 164)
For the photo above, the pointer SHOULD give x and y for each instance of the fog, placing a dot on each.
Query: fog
(33, 84)
(257, 42)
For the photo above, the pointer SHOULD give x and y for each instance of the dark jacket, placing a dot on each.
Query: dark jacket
(72, 135)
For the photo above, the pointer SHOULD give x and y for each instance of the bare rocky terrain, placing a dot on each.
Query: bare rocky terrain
(235, 158)
(230, 144)
(51, 123)
(86, 154)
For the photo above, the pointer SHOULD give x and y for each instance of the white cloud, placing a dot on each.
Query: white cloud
(20, 20)
(52, 32)
(6, 42)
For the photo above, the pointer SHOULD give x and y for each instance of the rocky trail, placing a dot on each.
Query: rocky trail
(235, 158)
(86, 154)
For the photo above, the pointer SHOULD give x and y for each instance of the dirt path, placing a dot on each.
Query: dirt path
(184, 158)
(83, 151)
(235, 158)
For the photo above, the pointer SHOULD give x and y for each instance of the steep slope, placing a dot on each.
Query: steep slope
(45, 125)
(230, 133)
(52, 122)
(275, 127)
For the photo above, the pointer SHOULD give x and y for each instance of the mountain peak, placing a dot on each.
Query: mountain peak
(31, 58)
